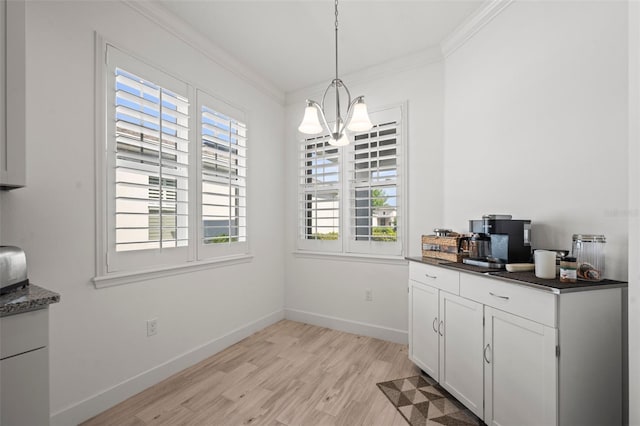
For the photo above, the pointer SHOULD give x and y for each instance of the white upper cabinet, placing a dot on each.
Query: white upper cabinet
(12, 94)
(3, 96)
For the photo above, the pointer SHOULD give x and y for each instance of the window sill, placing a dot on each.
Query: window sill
(352, 257)
(128, 277)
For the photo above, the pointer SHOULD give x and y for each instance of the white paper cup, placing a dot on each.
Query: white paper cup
(545, 264)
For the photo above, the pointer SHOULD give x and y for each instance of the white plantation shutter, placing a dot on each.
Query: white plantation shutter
(148, 164)
(375, 186)
(152, 165)
(174, 173)
(350, 198)
(319, 195)
(223, 172)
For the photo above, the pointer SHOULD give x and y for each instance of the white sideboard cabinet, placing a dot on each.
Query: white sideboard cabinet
(516, 353)
(12, 94)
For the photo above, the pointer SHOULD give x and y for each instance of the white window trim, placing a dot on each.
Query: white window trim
(343, 248)
(102, 277)
(353, 257)
(114, 279)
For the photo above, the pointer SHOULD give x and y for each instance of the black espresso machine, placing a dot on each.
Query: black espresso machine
(510, 240)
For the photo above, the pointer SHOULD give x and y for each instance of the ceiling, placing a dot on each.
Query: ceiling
(291, 43)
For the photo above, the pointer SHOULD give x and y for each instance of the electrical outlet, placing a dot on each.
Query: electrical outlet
(152, 327)
(368, 295)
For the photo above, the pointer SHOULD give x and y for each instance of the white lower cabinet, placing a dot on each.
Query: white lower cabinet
(446, 341)
(24, 369)
(520, 371)
(517, 355)
(25, 389)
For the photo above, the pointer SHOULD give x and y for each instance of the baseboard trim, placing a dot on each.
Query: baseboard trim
(99, 402)
(349, 326)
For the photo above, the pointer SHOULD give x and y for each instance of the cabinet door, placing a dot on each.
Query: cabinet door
(461, 350)
(520, 371)
(423, 331)
(3, 94)
(13, 108)
(25, 389)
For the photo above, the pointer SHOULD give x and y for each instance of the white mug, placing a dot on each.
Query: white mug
(545, 264)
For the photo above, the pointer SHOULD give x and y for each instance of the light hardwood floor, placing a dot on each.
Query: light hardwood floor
(286, 374)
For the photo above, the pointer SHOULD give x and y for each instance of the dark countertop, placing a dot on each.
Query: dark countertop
(26, 299)
(524, 278)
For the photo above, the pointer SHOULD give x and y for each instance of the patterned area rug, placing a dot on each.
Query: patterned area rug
(422, 402)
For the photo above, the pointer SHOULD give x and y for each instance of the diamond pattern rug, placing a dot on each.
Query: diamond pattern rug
(423, 402)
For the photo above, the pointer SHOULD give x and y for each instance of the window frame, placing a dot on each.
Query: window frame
(119, 261)
(346, 246)
(116, 268)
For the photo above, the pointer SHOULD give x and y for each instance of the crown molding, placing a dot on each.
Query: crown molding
(180, 29)
(485, 14)
(390, 68)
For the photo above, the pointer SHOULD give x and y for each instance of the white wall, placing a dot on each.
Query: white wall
(536, 124)
(99, 349)
(336, 297)
(634, 212)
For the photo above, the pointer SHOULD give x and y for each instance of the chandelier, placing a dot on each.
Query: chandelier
(356, 118)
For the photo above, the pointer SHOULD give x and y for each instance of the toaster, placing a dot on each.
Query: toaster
(13, 269)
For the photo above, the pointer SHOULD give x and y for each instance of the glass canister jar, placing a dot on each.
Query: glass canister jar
(589, 252)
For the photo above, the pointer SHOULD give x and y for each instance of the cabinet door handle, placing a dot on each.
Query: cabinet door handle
(435, 320)
(440, 328)
(433, 277)
(484, 353)
(501, 297)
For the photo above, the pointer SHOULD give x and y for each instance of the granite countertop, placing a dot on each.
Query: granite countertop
(26, 299)
(524, 278)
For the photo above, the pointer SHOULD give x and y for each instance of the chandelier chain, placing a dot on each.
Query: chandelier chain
(337, 80)
(336, 12)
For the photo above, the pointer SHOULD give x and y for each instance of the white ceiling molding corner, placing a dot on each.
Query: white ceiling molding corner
(180, 29)
(389, 68)
(485, 14)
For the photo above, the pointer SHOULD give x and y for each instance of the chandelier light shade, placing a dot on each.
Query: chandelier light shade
(310, 123)
(360, 118)
(356, 118)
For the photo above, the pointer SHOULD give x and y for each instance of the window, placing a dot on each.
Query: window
(223, 192)
(349, 198)
(374, 184)
(321, 186)
(171, 191)
(152, 165)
